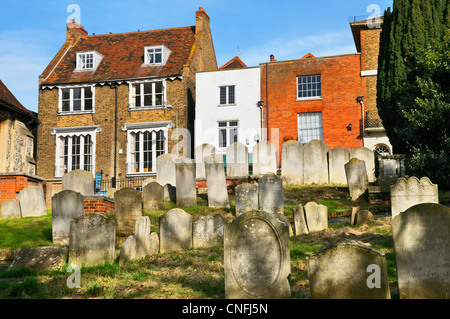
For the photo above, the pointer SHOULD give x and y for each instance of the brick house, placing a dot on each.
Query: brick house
(110, 103)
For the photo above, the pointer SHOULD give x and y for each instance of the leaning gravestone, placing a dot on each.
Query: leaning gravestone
(165, 169)
(10, 209)
(422, 251)
(32, 202)
(128, 207)
(79, 181)
(300, 226)
(92, 240)
(315, 162)
(246, 198)
(316, 216)
(365, 154)
(207, 231)
(40, 258)
(357, 180)
(337, 158)
(201, 152)
(175, 230)
(186, 191)
(66, 206)
(264, 158)
(409, 192)
(292, 162)
(237, 160)
(216, 182)
(270, 198)
(153, 196)
(348, 271)
(256, 257)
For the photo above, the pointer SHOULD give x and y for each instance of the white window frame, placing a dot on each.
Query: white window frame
(71, 110)
(96, 58)
(227, 95)
(310, 127)
(312, 90)
(165, 52)
(140, 128)
(82, 131)
(227, 128)
(132, 94)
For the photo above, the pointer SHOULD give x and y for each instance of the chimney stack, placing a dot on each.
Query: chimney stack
(201, 20)
(74, 31)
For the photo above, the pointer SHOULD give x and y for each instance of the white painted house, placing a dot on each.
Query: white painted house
(227, 108)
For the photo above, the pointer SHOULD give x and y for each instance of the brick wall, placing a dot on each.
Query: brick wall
(98, 204)
(11, 185)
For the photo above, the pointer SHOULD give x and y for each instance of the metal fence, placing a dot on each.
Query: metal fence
(102, 184)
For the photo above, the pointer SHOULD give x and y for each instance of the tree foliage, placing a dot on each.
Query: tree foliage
(413, 85)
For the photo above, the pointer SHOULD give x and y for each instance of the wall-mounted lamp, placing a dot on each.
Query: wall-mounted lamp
(259, 103)
(349, 127)
(359, 99)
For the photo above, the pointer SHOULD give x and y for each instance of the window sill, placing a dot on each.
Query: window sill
(308, 99)
(74, 112)
(141, 174)
(225, 105)
(147, 108)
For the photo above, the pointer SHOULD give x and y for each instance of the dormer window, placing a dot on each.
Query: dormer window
(156, 55)
(88, 61)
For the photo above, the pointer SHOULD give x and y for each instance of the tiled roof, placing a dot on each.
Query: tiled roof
(7, 98)
(234, 63)
(123, 56)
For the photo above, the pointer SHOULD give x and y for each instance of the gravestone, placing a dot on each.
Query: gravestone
(66, 206)
(128, 207)
(175, 230)
(154, 244)
(292, 162)
(270, 197)
(170, 193)
(412, 191)
(10, 209)
(201, 152)
(153, 196)
(422, 251)
(139, 245)
(316, 216)
(32, 202)
(300, 226)
(40, 258)
(337, 158)
(79, 181)
(147, 181)
(363, 217)
(216, 182)
(264, 158)
(92, 240)
(357, 180)
(348, 271)
(315, 162)
(208, 231)
(256, 257)
(165, 169)
(237, 160)
(186, 191)
(246, 198)
(129, 249)
(355, 211)
(365, 154)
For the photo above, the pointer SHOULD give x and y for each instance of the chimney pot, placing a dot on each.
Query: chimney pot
(272, 58)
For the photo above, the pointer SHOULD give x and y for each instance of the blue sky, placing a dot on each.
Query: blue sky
(31, 32)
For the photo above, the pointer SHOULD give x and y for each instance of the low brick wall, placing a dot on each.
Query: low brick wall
(12, 183)
(98, 204)
(231, 183)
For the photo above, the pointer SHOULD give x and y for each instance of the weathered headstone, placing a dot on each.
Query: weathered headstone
(256, 257)
(367, 155)
(170, 193)
(246, 198)
(316, 216)
(348, 271)
(66, 206)
(129, 250)
(154, 243)
(128, 207)
(153, 196)
(237, 160)
(32, 202)
(270, 197)
(79, 181)
(355, 211)
(292, 162)
(10, 209)
(412, 191)
(139, 245)
(92, 240)
(208, 231)
(264, 158)
(337, 158)
(422, 251)
(201, 152)
(175, 230)
(216, 182)
(363, 217)
(40, 258)
(300, 226)
(186, 191)
(315, 162)
(165, 169)
(357, 180)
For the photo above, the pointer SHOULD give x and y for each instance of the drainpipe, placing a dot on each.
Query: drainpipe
(115, 139)
(360, 99)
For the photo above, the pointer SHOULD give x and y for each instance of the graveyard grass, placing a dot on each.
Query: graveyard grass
(191, 274)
